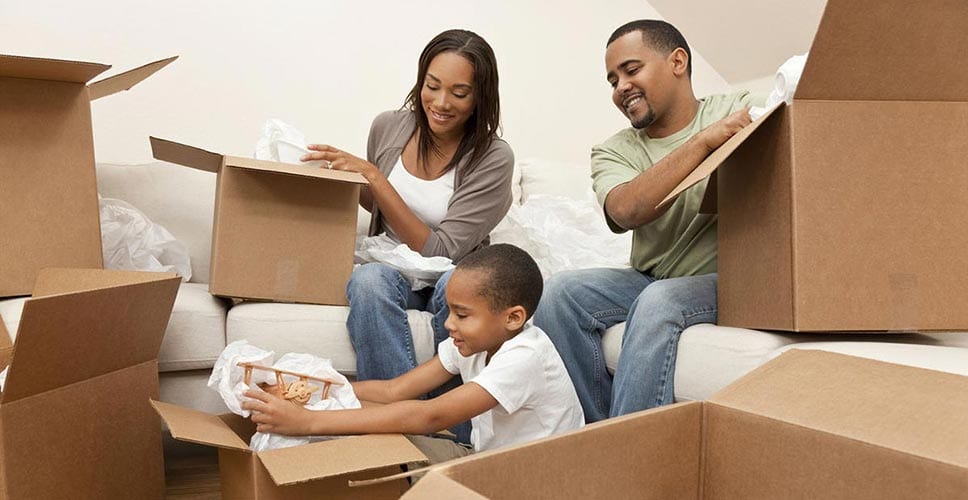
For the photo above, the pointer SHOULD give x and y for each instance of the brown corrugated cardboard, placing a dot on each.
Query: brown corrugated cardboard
(74, 420)
(843, 212)
(6, 346)
(316, 470)
(48, 192)
(809, 424)
(281, 232)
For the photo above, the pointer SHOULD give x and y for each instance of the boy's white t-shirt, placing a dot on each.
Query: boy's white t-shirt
(528, 379)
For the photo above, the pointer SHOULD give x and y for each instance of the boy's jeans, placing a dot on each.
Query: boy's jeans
(578, 306)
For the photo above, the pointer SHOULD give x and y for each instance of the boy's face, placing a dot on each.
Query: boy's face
(473, 325)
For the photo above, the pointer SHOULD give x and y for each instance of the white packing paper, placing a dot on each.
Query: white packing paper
(283, 143)
(420, 271)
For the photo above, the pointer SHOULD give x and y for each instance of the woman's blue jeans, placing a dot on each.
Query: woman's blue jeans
(379, 297)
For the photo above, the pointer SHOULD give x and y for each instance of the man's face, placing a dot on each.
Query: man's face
(640, 79)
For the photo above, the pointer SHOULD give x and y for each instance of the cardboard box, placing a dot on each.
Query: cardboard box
(315, 470)
(48, 192)
(846, 210)
(6, 346)
(74, 417)
(281, 232)
(809, 424)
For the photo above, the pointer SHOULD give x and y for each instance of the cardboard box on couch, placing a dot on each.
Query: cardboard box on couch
(809, 424)
(315, 470)
(281, 232)
(48, 192)
(845, 211)
(74, 415)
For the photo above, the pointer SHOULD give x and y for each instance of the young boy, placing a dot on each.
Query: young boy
(515, 386)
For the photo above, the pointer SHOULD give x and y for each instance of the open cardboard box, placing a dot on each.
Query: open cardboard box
(846, 210)
(48, 190)
(315, 470)
(281, 232)
(808, 424)
(74, 417)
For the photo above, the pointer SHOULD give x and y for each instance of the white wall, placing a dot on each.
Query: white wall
(328, 67)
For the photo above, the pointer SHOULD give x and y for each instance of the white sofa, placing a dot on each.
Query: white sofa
(182, 200)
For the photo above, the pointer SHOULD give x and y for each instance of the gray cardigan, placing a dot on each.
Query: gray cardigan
(482, 190)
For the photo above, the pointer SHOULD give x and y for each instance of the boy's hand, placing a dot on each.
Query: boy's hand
(276, 415)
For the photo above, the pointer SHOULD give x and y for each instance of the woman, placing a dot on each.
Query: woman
(439, 181)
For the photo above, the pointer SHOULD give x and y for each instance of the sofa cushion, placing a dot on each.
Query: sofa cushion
(947, 358)
(314, 329)
(711, 357)
(195, 335)
(196, 331)
(180, 199)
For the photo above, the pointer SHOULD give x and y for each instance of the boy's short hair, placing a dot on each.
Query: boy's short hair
(511, 277)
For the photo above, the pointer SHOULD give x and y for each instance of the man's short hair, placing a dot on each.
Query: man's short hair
(510, 277)
(659, 35)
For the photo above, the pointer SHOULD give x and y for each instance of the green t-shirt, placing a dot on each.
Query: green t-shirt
(682, 242)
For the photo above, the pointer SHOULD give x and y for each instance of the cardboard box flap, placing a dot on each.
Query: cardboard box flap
(888, 50)
(293, 169)
(716, 158)
(37, 68)
(436, 485)
(338, 456)
(126, 80)
(916, 411)
(67, 338)
(195, 426)
(56, 281)
(6, 347)
(187, 156)
(4, 335)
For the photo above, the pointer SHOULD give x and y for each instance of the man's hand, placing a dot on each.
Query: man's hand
(718, 133)
(340, 160)
(276, 415)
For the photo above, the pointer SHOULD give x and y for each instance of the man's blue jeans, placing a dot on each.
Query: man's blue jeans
(578, 306)
(379, 297)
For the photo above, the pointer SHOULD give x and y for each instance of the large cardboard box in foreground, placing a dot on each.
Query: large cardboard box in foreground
(48, 192)
(847, 210)
(281, 232)
(807, 425)
(74, 415)
(311, 471)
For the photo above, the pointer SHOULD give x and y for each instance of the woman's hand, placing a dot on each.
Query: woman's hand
(340, 160)
(277, 415)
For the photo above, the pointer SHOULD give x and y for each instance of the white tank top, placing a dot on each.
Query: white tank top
(427, 199)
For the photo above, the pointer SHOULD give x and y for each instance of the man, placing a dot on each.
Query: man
(673, 283)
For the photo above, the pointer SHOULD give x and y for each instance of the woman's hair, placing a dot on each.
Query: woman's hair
(482, 126)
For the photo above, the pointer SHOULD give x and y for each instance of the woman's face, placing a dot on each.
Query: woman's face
(448, 94)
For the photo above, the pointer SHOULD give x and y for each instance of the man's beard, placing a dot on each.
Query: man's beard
(645, 121)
